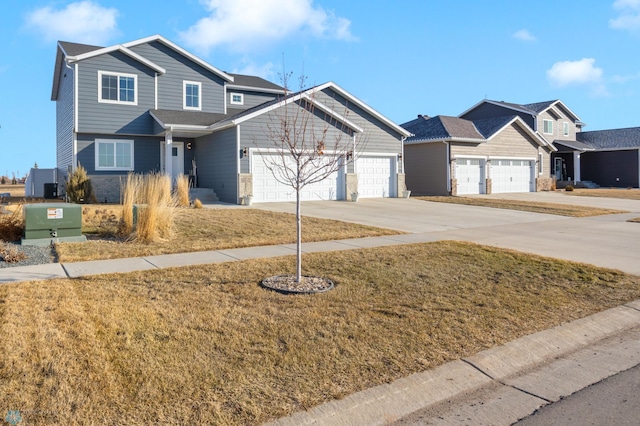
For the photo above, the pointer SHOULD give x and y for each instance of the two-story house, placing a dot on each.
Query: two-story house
(604, 157)
(477, 153)
(151, 106)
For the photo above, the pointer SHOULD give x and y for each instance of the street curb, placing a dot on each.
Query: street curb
(390, 402)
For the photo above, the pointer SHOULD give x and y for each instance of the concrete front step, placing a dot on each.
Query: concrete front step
(206, 195)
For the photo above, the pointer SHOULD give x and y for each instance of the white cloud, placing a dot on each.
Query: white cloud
(248, 24)
(582, 72)
(82, 22)
(629, 18)
(266, 71)
(524, 35)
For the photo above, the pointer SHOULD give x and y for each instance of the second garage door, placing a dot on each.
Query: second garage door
(267, 189)
(511, 176)
(470, 176)
(375, 177)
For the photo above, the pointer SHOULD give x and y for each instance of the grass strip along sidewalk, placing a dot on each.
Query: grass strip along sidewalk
(207, 345)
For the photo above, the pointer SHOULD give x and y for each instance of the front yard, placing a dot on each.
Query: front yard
(207, 345)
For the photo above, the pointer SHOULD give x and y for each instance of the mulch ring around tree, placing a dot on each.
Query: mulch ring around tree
(286, 284)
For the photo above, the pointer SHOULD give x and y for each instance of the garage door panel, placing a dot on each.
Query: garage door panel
(470, 176)
(375, 176)
(267, 189)
(512, 175)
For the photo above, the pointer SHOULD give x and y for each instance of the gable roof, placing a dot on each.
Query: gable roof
(455, 129)
(533, 109)
(308, 95)
(614, 139)
(252, 83)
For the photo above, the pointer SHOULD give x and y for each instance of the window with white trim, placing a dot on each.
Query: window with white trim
(117, 88)
(547, 127)
(114, 154)
(565, 128)
(237, 99)
(192, 95)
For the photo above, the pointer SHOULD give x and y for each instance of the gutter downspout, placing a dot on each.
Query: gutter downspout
(448, 163)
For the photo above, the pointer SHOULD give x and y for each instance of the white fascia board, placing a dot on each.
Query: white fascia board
(182, 51)
(256, 89)
(334, 114)
(362, 105)
(575, 117)
(118, 48)
(446, 140)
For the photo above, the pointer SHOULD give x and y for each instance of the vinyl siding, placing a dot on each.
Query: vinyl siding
(512, 142)
(426, 168)
(64, 123)
(146, 153)
(216, 160)
(96, 117)
(251, 98)
(178, 69)
(557, 126)
(255, 132)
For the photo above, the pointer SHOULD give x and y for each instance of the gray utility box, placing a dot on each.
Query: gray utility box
(47, 223)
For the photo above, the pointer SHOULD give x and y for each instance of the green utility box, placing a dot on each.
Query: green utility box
(47, 223)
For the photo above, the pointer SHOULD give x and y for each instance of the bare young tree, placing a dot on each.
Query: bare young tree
(309, 142)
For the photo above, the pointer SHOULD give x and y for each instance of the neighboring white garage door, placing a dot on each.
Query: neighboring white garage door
(267, 189)
(375, 177)
(511, 176)
(470, 176)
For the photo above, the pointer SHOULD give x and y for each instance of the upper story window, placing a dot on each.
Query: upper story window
(117, 88)
(114, 154)
(547, 127)
(565, 128)
(237, 99)
(192, 95)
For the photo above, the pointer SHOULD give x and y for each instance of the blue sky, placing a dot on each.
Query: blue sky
(403, 57)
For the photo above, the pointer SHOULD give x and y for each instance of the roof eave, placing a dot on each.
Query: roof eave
(256, 89)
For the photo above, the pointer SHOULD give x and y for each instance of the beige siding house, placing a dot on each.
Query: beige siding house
(451, 155)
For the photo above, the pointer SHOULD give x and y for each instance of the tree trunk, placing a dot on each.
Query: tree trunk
(298, 238)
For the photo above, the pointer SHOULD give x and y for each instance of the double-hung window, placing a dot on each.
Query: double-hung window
(114, 154)
(117, 88)
(547, 127)
(192, 95)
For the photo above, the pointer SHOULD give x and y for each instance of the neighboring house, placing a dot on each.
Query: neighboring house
(151, 106)
(604, 157)
(452, 155)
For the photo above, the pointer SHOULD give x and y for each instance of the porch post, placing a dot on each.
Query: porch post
(576, 167)
(168, 151)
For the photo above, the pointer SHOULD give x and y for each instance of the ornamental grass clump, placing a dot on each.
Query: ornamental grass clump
(150, 197)
(181, 193)
(12, 224)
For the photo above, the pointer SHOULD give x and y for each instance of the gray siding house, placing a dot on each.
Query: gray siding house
(150, 106)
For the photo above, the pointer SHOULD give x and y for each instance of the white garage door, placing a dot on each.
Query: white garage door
(470, 176)
(511, 176)
(375, 177)
(267, 189)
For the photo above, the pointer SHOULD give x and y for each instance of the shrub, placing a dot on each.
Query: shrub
(79, 188)
(197, 204)
(182, 191)
(3, 180)
(12, 225)
(129, 190)
(568, 188)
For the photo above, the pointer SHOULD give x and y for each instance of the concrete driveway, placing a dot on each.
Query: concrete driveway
(608, 241)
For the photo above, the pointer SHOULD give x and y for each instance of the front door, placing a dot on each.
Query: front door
(177, 159)
(558, 168)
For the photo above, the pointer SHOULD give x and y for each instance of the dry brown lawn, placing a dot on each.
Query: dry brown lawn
(629, 194)
(207, 345)
(536, 207)
(14, 190)
(206, 229)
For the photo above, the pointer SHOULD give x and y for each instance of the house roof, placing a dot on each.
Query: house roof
(455, 129)
(308, 95)
(250, 82)
(533, 109)
(167, 117)
(614, 139)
